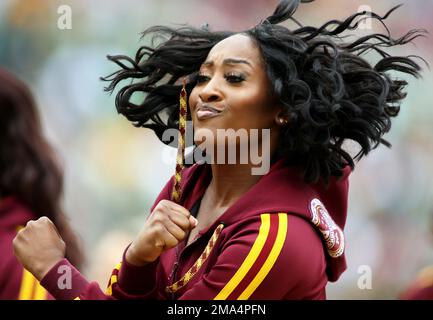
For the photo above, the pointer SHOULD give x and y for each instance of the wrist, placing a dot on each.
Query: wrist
(136, 259)
(43, 268)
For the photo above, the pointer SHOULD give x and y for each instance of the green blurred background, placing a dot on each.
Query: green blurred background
(114, 171)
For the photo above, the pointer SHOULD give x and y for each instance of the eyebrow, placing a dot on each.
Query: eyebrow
(228, 61)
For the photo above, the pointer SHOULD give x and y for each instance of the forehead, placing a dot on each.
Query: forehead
(236, 46)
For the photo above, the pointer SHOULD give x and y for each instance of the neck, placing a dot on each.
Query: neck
(229, 182)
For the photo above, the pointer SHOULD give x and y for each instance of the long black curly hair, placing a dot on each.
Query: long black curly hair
(330, 92)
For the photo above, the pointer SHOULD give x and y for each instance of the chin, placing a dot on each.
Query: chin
(202, 133)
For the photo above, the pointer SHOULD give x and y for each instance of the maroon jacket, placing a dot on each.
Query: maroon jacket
(276, 242)
(15, 282)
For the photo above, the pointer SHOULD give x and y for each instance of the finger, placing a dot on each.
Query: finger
(175, 230)
(185, 223)
(170, 241)
(16, 243)
(176, 207)
(45, 219)
(182, 212)
(193, 222)
(54, 227)
(30, 224)
(45, 222)
(180, 220)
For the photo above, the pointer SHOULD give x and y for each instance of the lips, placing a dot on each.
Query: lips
(206, 112)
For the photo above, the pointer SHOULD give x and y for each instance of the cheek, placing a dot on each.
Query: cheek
(252, 97)
(192, 102)
(252, 106)
(192, 99)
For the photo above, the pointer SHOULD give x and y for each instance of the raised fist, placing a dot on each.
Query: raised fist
(167, 226)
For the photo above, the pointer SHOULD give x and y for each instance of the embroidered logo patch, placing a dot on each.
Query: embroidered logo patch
(331, 232)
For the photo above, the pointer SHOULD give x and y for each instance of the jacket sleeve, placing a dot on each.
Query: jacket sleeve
(65, 282)
(273, 256)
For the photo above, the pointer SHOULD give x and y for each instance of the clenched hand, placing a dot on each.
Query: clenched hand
(168, 225)
(39, 246)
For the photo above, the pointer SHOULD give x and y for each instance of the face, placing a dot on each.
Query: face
(232, 90)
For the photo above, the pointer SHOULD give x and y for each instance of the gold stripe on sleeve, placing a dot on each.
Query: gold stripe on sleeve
(249, 260)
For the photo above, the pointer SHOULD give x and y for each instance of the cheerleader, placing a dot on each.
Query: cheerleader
(217, 230)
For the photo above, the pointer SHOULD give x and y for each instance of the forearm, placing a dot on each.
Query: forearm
(64, 282)
(127, 281)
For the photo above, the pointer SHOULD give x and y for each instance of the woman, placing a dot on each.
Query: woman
(232, 234)
(30, 186)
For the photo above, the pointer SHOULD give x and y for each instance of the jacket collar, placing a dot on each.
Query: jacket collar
(280, 190)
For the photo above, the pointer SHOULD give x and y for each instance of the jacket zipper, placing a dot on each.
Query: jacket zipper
(173, 272)
(176, 264)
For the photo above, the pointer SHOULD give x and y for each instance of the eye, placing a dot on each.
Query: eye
(202, 78)
(234, 77)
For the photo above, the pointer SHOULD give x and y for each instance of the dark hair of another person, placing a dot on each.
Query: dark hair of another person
(329, 91)
(29, 170)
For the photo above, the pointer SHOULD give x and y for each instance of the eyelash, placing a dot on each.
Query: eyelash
(236, 78)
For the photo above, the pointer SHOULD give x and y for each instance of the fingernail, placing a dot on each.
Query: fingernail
(195, 222)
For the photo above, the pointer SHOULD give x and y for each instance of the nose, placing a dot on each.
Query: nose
(210, 93)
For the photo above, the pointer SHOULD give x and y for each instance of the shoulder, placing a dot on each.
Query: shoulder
(296, 231)
(293, 240)
(285, 250)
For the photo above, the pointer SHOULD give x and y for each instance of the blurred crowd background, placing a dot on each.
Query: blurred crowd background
(114, 171)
